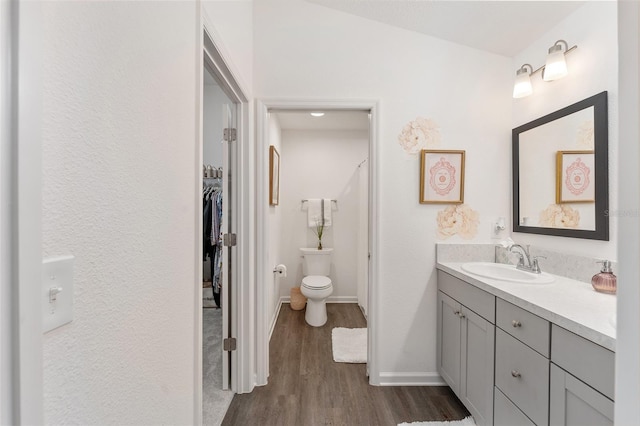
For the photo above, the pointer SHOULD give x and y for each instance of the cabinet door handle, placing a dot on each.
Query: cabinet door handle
(516, 323)
(457, 313)
(515, 373)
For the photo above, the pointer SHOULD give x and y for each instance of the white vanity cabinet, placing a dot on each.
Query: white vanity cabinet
(466, 334)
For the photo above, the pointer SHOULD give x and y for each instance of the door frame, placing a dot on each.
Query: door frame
(265, 271)
(211, 54)
(21, 198)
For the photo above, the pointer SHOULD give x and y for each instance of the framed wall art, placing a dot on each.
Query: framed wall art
(441, 177)
(575, 180)
(274, 176)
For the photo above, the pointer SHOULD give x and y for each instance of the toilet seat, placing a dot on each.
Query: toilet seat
(316, 282)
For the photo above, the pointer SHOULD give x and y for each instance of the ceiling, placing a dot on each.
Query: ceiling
(332, 120)
(502, 27)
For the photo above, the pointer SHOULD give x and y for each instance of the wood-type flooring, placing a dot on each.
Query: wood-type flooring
(306, 387)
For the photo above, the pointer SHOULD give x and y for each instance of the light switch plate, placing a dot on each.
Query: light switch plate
(57, 291)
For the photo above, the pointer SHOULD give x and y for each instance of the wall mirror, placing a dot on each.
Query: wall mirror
(560, 172)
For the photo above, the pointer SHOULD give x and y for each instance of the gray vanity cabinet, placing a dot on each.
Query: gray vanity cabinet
(574, 403)
(543, 374)
(465, 354)
(582, 381)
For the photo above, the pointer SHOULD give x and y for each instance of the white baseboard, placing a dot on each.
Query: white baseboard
(411, 379)
(275, 317)
(331, 299)
(342, 299)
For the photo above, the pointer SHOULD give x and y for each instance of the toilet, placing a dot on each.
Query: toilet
(316, 285)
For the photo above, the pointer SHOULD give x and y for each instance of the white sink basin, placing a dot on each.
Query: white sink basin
(503, 272)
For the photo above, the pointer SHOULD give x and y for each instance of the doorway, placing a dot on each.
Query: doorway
(221, 236)
(218, 119)
(357, 194)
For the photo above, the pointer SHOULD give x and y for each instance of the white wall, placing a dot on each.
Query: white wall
(212, 128)
(321, 164)
(305, 51)
(274, 227)
(592, 69)
(232, 23)
(120, 167)
(628, 322)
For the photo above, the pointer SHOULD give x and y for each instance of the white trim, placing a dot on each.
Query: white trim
(263, 268)
(27, 213)
(276, 314)
(8, 353)
(197, 382)
(342, 299)
(242, 372)
(411, 379)
(373, 306)
(330, 299)
(627, 371)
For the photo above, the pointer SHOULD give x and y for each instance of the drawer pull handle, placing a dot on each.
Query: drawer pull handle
(515, 374)
(516, 323)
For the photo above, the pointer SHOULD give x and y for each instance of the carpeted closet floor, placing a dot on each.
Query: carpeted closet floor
(215, 401)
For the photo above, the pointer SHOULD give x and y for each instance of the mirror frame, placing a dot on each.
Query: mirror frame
(601, 150)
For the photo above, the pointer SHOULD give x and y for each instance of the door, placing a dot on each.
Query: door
(575, 403)
(449, 343)
(220, 152)
(229, 191)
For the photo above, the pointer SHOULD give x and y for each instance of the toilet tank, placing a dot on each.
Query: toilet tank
(316, 262)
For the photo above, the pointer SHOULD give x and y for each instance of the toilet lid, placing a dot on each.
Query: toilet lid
(316, 282)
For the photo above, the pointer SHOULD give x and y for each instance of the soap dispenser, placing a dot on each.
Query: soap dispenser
(605, 281)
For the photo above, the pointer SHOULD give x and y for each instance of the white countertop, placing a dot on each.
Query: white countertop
(571, 304)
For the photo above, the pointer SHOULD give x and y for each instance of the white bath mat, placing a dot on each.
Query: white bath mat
(349, 345)
(468, 421)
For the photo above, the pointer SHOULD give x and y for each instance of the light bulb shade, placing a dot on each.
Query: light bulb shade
(556, 66)
(522, 86)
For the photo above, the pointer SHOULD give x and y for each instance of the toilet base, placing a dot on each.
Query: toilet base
(316, 314)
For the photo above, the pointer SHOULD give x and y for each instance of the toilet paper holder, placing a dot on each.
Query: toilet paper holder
(280, 269)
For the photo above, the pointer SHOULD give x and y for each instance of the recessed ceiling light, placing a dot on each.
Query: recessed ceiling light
(317, 114)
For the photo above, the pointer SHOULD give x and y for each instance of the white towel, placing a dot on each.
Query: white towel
(327, 212)
(314, 212)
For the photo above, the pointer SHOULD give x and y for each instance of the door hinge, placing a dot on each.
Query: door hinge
(230, 134)
(229, 344)
(229, 240)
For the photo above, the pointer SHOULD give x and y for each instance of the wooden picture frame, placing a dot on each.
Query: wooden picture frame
(274, 176)
(575, 177)
(441, 177)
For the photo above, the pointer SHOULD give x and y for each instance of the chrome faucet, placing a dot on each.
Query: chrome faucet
(532, 262)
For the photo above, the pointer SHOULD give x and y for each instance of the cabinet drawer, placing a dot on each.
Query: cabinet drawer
(507, 414)
(479, 301)
(524, 326)
(522, 374)
(591, 363)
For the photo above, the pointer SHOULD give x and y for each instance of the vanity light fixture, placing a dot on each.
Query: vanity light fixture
(554, 69)
(317, 114)
(556, 66)
(522, 87)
